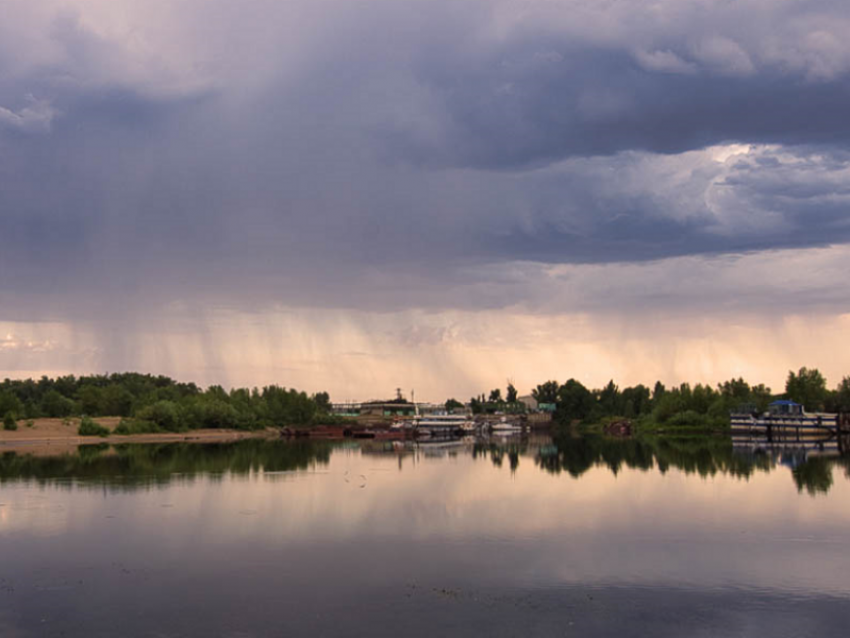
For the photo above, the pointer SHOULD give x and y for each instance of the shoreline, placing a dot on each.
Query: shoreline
(59, 435)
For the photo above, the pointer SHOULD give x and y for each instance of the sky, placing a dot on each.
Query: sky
(436, 195)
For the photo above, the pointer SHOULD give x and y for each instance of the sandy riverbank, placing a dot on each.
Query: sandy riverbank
(54, 434)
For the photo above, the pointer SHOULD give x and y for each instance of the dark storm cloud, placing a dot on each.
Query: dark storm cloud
(380, 155)
(598, 102)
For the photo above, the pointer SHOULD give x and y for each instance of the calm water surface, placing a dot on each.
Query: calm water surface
(574, 537)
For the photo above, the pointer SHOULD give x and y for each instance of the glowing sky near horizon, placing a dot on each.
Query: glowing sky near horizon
(357, 196)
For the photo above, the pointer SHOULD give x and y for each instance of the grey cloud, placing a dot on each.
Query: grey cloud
(390, 157)
(35, 117)
(665, 61)
(600, 102)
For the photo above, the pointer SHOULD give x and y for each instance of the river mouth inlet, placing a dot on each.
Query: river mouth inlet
(529, 536)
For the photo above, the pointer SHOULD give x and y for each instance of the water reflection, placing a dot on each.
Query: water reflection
(496, 537)
(141, 465)
(811, 467)
(137, 465)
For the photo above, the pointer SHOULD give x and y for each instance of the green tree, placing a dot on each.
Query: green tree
(66, 386)
(807, 387)
(610, 403)
(453, 404)
(163, 413)
(761, 397)
(116, 400)
(701, 398)
(89, 398)
(575, 402)
(216, 413)
(511, 396)
(9, 422)
(546, 392)
(323, 402)
(55, 405)
(636, 401)
(31, 410)
(158, 398)
(286, 407)
(735, 389)
(842, 395)
(10, 403)
(495, 396)
(667, 405)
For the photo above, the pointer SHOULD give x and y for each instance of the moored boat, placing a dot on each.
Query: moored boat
(439, 425)
(786, 418)
(503, 426)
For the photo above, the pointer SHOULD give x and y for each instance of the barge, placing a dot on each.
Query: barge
(788, 421)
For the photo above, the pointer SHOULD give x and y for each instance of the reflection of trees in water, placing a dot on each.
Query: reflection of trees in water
(496, 452)
(706, 456)
(145, 465)
(576, 455)
(513, 457)
(814, 475)
(141, 465)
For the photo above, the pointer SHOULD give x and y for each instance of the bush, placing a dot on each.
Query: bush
(9, 422)
(90, 428)
(136, 426)
(691, 418)
(164, 414)
(30, 423)
(205, 412)
(55, 405)
(9, 403)
(687, 418)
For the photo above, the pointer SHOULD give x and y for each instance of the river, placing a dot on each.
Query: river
(524, 537)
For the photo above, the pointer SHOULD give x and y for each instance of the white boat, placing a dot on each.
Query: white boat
(439, 424)
(784, 418)
(505, 427)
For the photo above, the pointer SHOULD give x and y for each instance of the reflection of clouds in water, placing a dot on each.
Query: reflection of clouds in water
(635, 526)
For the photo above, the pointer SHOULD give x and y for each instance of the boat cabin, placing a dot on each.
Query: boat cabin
(785, 408)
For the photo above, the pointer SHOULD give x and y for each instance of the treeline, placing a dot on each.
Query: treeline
(682, 405)
(494, 402)
(158, 402)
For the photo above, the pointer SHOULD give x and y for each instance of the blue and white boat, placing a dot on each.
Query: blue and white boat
(785, 418)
